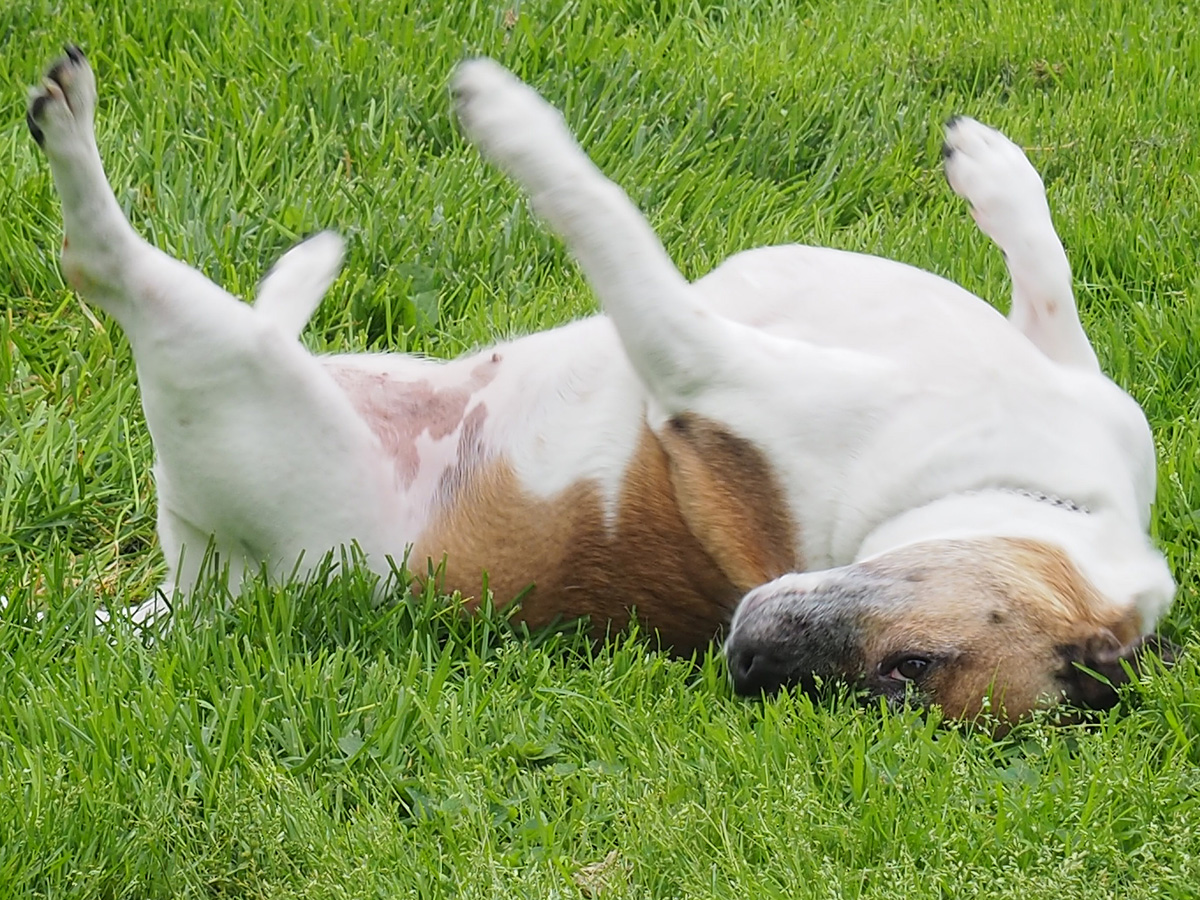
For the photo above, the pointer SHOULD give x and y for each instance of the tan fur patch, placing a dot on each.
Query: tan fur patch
(649, 558)
(728, 495)
(1000, 611)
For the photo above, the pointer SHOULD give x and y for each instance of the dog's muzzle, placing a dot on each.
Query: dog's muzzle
(783, 636)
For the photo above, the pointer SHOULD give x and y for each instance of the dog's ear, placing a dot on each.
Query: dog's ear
(1101, 664)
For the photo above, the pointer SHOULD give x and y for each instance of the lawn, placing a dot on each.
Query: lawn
(302, 742)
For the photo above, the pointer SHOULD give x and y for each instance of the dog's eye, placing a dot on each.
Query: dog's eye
(908, 668)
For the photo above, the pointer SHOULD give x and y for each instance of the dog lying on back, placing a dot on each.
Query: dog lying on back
(855, 469)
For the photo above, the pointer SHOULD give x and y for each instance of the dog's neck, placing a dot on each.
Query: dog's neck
(1058, 502)
(999, 511)
(1108, 549)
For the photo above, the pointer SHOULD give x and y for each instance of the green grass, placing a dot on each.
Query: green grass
(302, 743)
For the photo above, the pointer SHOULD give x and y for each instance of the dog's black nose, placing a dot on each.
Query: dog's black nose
(755, 671)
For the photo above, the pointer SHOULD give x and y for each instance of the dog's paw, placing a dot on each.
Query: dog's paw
(512, 125)
(995, 177)
(62, 107)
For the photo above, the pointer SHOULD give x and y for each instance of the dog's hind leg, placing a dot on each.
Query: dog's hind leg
(258, 448)
(103, 258)
(144, 289)
(1008, 202)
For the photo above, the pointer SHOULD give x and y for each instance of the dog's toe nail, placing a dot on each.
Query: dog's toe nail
(947, 150)
(74, 53)
(58, 72)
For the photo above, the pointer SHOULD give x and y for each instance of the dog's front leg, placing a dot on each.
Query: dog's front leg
(258, 449)
(1008, 202)
(678, 346)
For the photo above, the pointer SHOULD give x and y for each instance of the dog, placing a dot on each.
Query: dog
(855, 469)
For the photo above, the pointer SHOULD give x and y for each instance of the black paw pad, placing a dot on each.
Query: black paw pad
(31, 116)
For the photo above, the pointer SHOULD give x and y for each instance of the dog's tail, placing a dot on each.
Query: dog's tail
(294, 286)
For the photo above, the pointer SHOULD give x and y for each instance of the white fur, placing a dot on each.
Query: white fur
(893, 405)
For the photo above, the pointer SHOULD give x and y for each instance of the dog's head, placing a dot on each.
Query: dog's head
(1008, 625)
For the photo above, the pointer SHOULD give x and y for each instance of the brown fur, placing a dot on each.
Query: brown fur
(682, 569)
(728, 495)
(1002, 615)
